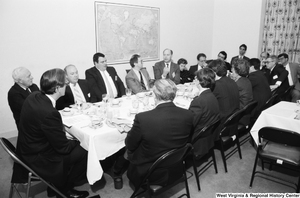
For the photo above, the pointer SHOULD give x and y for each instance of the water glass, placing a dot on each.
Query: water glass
(128, 93)
(135, 103)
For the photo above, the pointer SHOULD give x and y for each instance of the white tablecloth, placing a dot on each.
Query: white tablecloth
(282, 115)
(105, 141)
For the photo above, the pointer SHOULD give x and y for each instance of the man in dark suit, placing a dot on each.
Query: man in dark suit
(278, 78)
(294, 72)
(166, 68)
(260, 86)
(263, 66)
(242, 52)
(77, 91)
(226, 90)
(157, 131)
(205, 108)
(42, 142)
(20, 91)
(201, 58)
(103, 79)
(222, 56)
(137, 79)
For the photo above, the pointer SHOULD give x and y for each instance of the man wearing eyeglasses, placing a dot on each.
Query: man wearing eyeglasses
(294, 72)
(278, 75)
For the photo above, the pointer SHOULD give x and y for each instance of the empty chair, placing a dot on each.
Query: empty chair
(279, 147)
(230, 129)
(168, 161)
(32, 176)
(206, 137)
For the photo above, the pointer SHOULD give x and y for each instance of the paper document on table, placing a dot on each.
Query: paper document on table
(75, 120)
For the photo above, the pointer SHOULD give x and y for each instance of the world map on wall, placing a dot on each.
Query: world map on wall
(124, 30)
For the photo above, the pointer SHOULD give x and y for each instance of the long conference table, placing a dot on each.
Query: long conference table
(108, 138)
(284, 115)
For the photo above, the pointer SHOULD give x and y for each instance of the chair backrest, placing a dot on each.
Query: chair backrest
(11, 150)
(270, 102)
(234, 118)
(250, 107)
(287, 94)
(206, 131)
(280, 136)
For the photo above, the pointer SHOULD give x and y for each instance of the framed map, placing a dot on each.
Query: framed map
(123, 30)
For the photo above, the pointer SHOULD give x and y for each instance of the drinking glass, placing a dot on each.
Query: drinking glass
(105, 98)
(145, 102)
(135, 103)
(78, 105)
(128, 93)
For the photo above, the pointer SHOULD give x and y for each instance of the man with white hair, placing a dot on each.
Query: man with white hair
(20, 90)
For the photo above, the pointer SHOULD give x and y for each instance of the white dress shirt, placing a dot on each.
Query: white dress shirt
(110, 81)
(73, 86)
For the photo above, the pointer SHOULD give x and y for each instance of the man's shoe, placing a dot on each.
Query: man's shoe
(77, 194)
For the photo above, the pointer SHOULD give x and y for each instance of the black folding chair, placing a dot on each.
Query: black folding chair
(171, 159)
(287, 96)
(270, 102)
(278, 147)
(230, 128)
(32, 176)
(207, 136)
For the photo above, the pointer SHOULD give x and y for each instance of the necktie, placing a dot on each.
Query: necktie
(167, 65)
(109, 91)
(28, 91)
(78, 96)
(142, 81)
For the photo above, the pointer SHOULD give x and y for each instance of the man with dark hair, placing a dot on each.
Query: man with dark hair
(166, 68)
(185, 75)
(278, 78)
(103, 79)
(20, 91)
(263, 66)
(222, 56)
(260, 86)
(137, 79)
(42, 142)
(78, 90)
(242, 52)
(201, 58)
(226, 90)
(294, 72)
(157, 131)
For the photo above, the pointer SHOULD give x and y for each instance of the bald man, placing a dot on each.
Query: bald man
(20, 90)
(77, 91)
(166, 68)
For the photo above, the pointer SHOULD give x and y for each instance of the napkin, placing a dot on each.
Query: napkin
(123, 125)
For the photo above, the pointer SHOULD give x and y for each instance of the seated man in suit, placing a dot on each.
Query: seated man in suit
(20, 91)
(278, 78)
(242, 52)
(263, 67)
(225, 90)
(260, 86)
(42, 142)
(201, 58)
(185, 75)
(294, 71)
(166, 68)
(157, 131)
(103, 79)
(77, 91)
(137, 79)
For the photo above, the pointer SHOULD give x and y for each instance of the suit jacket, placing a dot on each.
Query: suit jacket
(42, 142)
(174, 73)
(97, 85)
(295, 71)
(205, 108)
(245, 91)
(68, 98)
(193, 69)
(279, 73)
(227, 94)
(133, 81)
(260, 89)
(153, 133)
(186, 76)
(16, 97)
(236, 57)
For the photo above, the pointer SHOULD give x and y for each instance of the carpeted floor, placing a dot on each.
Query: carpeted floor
(236, 180)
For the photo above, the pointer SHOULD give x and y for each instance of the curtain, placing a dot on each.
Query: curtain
(281, 28)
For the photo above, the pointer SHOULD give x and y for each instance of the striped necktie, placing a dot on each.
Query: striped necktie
(142, 81)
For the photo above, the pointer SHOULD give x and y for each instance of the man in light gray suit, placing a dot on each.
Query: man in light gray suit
(137, 78)
(166, 68)
(294, 71)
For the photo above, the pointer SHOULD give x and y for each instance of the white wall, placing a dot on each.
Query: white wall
(46, 34)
